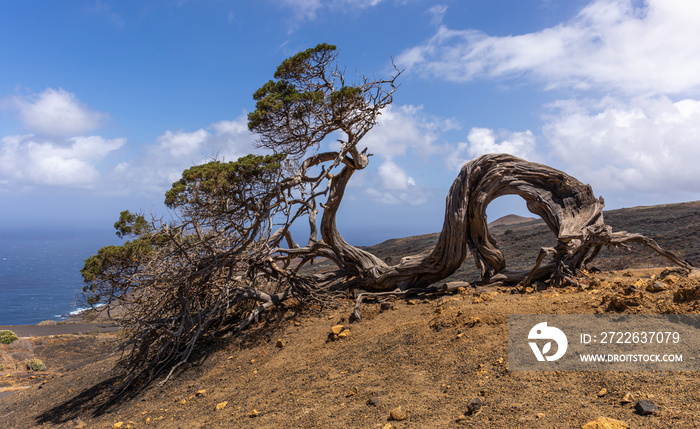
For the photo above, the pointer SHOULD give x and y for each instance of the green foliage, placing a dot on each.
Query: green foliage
(7, 337)
(223, 180)
(113, 266)
(131, 225)
(302, 64)
(35, 365)
(308, 101)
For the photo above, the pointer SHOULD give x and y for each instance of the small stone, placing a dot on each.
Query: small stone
(628, 398)
(183, 402)
(221, 405)
(374, 401)
(398, 414)
(474, 321)
(646, 407)
(255, 413)
(345, 333)
(202, 392)
(385, 306)
(117, 425)
(474, 406)
(539, 415)
(337, 329)
(606, 423)
(280, 343)
(388, 426)
(297, 323)
(602, 392)
(671, 280)
(657, 287)
(412, 302)
(627, 274)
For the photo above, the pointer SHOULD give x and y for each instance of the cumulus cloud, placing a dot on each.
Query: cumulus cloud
(28, 160)
(394, 186)
(162, 163)
(648, 144)
(610, 44)
(407, 128)
(481, 141)
(56, 112)
(641, 137)
(403, 132)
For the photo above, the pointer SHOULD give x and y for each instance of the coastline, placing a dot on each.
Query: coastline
(23, 331)
(82, 321)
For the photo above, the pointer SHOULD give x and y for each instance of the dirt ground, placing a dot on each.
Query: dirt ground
(431, 357)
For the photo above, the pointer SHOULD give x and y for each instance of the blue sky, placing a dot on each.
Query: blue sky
(104, 103)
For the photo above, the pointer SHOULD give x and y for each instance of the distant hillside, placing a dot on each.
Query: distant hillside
(510, 219)
(676, 227)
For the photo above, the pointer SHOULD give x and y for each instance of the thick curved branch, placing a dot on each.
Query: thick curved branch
(567, 206)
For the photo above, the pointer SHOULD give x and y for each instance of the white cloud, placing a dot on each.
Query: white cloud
(308, 8)
(304, 8)
(404, 128)
(438, 13)
(403, 132)
(610, 44)
(56, 112)
(182, 143)
(648, 144)
(163, 163)
(481, 141)
(394, 186)
(394, 177)
(26, 160)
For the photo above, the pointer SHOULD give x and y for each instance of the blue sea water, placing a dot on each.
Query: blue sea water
(40, 272)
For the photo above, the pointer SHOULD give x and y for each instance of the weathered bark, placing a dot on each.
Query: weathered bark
(567, 206)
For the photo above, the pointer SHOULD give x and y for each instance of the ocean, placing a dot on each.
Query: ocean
(40, 272)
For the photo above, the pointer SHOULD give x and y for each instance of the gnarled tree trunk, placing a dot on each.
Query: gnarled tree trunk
(567, 206)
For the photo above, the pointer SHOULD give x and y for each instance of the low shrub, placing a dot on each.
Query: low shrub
(36, 365)
(47, 323)
(7, 337)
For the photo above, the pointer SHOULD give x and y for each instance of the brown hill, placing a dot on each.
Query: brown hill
(510, 219)
(430, 356)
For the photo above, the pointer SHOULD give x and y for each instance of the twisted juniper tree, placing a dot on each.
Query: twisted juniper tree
(229, 255)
